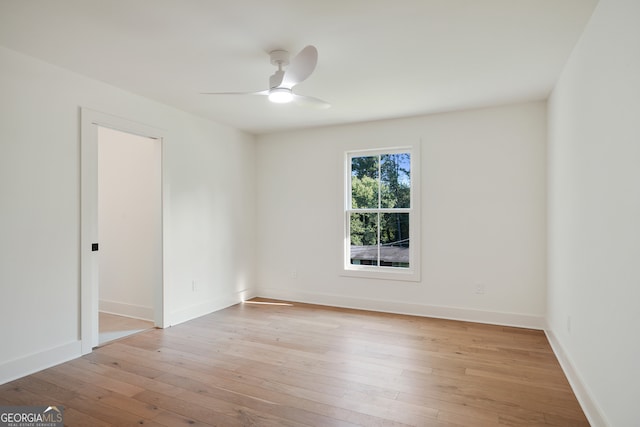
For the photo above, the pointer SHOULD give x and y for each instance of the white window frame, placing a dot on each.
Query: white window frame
(412, 273)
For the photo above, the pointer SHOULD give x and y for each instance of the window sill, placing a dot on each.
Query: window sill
(390, 273)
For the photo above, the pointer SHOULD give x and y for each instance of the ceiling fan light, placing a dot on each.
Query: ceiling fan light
(280, 95)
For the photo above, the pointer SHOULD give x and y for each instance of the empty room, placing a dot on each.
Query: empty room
(319, 213)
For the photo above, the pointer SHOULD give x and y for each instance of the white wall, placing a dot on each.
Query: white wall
(129, 222)
(594, 215)
(209, 209)
(483, 215)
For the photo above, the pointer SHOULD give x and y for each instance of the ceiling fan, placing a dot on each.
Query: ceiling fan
(282, 82)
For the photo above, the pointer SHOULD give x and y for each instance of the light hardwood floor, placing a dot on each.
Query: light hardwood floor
(263, 364)
(113, 327)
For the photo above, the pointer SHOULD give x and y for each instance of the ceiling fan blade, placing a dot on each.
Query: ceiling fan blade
(276, 79)
(309, 101)
(262, 92)
(300, 67)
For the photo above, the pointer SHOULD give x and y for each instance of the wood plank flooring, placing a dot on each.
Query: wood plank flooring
(267, 363)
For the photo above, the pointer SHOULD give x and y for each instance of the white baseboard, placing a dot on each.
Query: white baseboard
(452, 313)
(128, 310)
(30, 364)
(589, 406)
(27, 365)
(185, 314)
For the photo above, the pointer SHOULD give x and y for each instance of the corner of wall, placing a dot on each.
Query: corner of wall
(593, 412)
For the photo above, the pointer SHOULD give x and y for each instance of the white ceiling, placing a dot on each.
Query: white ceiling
(377, 58)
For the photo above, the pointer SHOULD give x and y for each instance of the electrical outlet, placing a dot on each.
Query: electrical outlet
(479, 289)
(294, 274)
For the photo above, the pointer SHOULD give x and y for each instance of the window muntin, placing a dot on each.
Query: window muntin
(379, 212)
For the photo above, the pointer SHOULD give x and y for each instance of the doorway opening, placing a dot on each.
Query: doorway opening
(121, 229)
(130, 231)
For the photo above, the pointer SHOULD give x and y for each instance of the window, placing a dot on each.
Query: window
(381, 221)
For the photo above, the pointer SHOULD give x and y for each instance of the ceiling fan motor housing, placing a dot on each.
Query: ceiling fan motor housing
(279, 57)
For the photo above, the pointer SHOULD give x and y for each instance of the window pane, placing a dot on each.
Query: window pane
(395, 181)
(364, 182)
(364, 238)
(394, 239)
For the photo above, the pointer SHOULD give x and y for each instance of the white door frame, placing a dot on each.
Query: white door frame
(89, 122)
